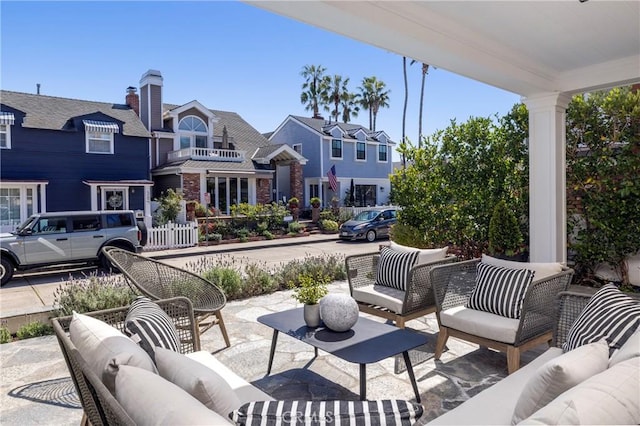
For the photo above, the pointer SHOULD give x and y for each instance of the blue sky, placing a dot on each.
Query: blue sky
(227, 55)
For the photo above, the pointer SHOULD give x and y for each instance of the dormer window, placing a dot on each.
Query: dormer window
(99, 136)
(6, 121)
(193, 132)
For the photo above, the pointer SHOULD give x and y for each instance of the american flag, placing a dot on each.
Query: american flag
(333, 181)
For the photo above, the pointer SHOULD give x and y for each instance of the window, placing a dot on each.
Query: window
(16, 204)
(117, 220)
(50, 225)
(298, 148)
(361, 151)
(5, 136)
(382, 153)
(86, 223)
(336, 148)
(365, 195)
(314, 190)
(99, 143)
(193, 132)
(115, 199)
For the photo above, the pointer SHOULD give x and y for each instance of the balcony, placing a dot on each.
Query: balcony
(207, 154)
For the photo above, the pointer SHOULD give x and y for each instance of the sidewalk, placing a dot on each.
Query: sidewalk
(30, 296)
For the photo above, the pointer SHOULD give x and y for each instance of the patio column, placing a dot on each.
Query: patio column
(547, 177)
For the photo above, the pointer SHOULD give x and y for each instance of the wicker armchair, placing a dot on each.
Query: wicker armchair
(399, 306)
(453, 284)
(100, 407)
(159, 280)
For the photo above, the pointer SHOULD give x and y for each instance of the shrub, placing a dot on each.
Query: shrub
(408, 235)
(5, 335)
(214, 236)
(331, 266)
(344, 216)
(261, 227)
(92, 293)
(328, 215)
(170, 205)
(229, 280)
(34, 329)
(258, 280)
(267, 234)
(295, 227)
(242, 233)
(504, 232)
(329, 225)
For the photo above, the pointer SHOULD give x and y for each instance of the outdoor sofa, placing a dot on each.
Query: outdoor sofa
(159, 375)
(597, 382)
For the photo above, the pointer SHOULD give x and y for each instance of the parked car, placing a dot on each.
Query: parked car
(369, 224)
(61, 238)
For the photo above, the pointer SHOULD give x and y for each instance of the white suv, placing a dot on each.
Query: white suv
(57, 238)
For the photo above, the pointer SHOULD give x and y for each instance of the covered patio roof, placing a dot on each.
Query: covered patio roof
(545, 51)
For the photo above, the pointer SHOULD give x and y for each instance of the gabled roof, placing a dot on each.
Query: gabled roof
(53, 113)
(278, 152)
(323, 127)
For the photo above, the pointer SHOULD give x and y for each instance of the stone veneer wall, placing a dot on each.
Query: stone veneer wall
(295, 180)
(191, 186)
(263, 191)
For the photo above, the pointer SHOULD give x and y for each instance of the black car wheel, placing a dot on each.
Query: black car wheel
(6, 271)
(371, 235)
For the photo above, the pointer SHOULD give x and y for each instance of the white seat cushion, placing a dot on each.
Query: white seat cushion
(479, 323)
(244, 390)
(541, 270)
(380, 295)
(424, 255)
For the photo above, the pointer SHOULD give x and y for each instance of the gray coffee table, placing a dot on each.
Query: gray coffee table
(367, 342)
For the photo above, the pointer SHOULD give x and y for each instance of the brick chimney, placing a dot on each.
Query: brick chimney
(133, 100)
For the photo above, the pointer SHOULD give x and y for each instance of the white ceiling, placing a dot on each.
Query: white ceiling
(526, 47)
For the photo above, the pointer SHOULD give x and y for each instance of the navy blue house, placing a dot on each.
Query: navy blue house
(66, 154)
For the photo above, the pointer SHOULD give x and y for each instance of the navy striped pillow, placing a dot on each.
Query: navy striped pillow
(394, 267)
(500, 290)
(389, 412)
(149, 326)
(609, 313)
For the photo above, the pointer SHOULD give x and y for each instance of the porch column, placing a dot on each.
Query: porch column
(547, 177)
(93, 191)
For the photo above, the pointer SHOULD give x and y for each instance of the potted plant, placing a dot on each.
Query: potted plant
(315, 209)
(505, 238)
(311, 289)
(293, 206)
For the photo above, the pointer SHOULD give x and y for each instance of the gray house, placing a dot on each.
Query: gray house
(361, 159)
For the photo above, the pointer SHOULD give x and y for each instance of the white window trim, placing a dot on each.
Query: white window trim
(7, 132)
(355, 152)
(378, 154)
(125, 197)
(294, 147)
(331, 149)
(88, 138)
(191, 134)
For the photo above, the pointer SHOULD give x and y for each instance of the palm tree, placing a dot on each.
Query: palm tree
(406, 100)
(425, 71)
(350, 108)
(314, 88)
(373, 96)
(337, 91)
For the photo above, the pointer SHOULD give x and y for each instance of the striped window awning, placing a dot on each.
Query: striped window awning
(100, 126)
(7, 118)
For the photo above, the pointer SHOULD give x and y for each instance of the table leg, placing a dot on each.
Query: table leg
(412, 377)
(363, 382)
(315, 351)
(274, 339)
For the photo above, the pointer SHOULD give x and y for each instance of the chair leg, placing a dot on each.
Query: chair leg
(513, 359)
(443, 335)
(85, 420)
(223, 329)
(399, 321)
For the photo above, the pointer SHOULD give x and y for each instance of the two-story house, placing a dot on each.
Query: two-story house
(66, 154)
(214, 156)
(361, 159)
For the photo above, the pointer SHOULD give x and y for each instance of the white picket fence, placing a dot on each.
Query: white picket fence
(172, 235)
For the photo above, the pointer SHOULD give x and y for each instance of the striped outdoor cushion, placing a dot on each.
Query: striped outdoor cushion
(500, 290)
(380, 412)
(394, 267)
(149, 326)
(609, 313)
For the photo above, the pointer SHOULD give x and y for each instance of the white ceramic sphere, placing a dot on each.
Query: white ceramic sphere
(338, 311)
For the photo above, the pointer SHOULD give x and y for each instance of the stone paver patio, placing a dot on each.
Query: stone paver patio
(36, 388)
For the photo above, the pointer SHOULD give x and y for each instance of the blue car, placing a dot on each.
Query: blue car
(369, 224)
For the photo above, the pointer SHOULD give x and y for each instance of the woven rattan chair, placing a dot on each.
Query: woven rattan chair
(100, 407)
(453, 284)
(416, 301)
(158, 280)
